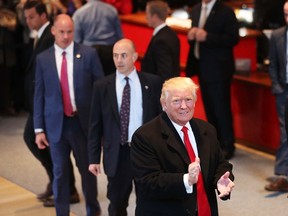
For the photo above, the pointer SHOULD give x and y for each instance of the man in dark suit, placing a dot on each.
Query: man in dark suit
(278, 74)
(212, 37)
(171, 180)
(37, 19)
(63, 87)
(163, 53)
(106, 122)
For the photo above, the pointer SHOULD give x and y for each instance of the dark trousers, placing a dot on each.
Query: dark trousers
(120, 185)
(105, 53)
(43, 155)
(217, 102)
(73, 139)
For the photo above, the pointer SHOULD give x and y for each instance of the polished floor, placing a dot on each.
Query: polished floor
(17, 165)
(17, 201)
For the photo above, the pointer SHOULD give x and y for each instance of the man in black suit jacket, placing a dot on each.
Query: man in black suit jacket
(278, 74)
(166, 175)
(105, 122)
(37, 19)
(211, 58)
(163, 53)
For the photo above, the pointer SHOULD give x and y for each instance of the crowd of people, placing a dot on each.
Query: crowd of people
(67, 63)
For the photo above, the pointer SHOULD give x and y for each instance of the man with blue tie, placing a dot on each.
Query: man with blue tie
(64, 78)
(121, 103)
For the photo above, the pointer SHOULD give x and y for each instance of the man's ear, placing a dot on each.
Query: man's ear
(164, 107)
(53, 30)
(135, 56)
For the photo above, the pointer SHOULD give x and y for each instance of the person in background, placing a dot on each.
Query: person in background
(279, 77)
(212, 37)
(162, 56)
(113, 121)
(63, 6)
(37, 19)
(122, 6)
(8, 57)
(64, 79)
(88, 30)
(177, 160)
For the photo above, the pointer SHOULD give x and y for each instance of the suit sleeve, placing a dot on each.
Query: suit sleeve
(228, 33)
(96, 65)
(153, 180)
(39, 97)
(95, 128)
(164, 60)
(274, 65)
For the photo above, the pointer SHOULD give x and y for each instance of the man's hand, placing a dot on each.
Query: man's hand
(192, 33)
(95, 169)
(41, 141)
(225, 185)
(200, 35)
(193, 171)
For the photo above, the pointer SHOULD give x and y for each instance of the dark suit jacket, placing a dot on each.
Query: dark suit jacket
(163, 55)
(277, 56)
(216, 53)
(105, 119)
(48, 106)
(159, 161)
(45, 41)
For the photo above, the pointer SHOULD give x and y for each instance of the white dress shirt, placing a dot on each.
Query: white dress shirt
(69, 57)
(189, 189)
(136, 102)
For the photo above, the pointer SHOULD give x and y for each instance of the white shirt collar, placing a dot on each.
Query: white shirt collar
(179, 128)
(131, 76)
(41, 30)
(158, 28)
(209, 6)
(68, 50)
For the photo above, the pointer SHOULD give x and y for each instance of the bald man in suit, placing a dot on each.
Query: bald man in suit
(63, 88)
(105, 122)
(37, 19)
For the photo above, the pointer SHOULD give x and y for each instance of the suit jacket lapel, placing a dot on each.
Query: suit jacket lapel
(173, 139)
(112, 97)
(203, 150)
(76, 66)
(284, 43)
(51, 62)
(145, 95)
(175, 142)
(212, 14)
(43, 37)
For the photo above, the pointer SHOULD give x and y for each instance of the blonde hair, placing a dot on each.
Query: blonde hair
(178, 83)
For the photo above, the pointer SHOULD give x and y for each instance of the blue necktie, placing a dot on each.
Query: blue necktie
(125, 112)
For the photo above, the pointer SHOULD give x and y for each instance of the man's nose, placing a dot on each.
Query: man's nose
(183, 104)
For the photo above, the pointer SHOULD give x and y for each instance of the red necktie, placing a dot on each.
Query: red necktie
(202, 201)
(68, 110)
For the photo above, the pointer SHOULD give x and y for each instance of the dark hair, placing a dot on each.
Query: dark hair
(159, 7)
(38, 5)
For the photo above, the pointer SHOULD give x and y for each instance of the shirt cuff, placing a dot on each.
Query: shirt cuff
(189, 189)
(38, 130)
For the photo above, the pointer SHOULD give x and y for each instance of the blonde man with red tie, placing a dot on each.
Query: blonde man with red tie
(177, 160)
